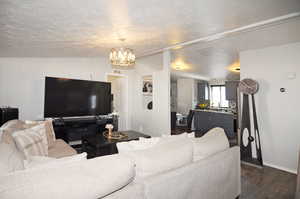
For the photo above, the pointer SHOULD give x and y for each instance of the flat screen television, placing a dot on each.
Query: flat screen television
(72, 98)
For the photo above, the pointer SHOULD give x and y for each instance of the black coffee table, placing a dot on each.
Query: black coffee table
(98, 145)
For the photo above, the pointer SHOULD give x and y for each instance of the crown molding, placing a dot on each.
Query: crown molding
(214, 37)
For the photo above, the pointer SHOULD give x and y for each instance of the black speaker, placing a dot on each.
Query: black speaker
(7, 114)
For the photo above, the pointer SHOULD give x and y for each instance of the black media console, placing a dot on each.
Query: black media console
(7, 114)
(73, 129)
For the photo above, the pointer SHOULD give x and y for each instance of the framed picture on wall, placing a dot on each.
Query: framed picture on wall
(147, 86)
(147, 90)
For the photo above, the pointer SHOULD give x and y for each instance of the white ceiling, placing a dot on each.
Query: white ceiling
(212, 59)
(64, 28)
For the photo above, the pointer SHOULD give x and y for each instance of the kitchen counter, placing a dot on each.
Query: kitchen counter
(215, 111)
(205, 119)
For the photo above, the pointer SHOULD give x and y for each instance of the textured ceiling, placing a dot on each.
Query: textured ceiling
(212, 59)
(66, 28)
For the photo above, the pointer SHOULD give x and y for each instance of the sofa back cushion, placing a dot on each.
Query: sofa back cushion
(182, 135)
(166, 155)
(32, 141)
(89, 179)
(34, 162)
(134, 145)
(214, 141)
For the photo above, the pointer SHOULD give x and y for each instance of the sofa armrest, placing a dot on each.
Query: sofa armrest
(218, 176)
(88, 179)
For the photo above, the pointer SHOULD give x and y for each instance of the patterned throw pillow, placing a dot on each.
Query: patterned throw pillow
(49, 129)
(50, 133)
(32, 141)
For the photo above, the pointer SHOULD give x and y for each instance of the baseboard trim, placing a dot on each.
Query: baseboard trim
(280, 168)
(251, 164)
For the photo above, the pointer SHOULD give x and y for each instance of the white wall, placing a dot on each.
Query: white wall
(186, 95)
(22, 79)
(119, 89)
(278, 113)
(153, 122)
(22, 86)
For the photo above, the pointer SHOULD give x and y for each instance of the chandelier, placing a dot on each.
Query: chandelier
(122, 58)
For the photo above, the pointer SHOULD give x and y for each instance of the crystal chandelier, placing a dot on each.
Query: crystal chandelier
(122, 58)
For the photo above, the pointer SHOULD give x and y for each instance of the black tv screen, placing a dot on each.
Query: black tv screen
(71, 98)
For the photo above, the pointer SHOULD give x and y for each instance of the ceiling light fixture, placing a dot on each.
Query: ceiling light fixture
(235, 67)
(122, 58)
(179, 65)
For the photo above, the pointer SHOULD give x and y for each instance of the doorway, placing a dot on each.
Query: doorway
(119, 90)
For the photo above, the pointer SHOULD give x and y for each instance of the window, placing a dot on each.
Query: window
(218, 96)
(206, 92)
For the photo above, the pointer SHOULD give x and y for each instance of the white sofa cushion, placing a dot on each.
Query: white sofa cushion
(166, 155)
(214, 141)
(47, 162)
(10, 159)
(216, 177)
(32, 141)
(141, 144)
(90, 179)
(182, 135)
(145, 143)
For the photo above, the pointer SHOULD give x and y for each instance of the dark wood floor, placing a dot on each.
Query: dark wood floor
(267, 183)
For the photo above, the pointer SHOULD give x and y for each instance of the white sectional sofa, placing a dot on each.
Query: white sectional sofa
(162, 171)
(216, 177)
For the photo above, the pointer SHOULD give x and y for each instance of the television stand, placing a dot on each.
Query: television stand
(73, 129)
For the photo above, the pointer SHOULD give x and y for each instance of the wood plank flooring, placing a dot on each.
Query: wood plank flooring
(267, 183)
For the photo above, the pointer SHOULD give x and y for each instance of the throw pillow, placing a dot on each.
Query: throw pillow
(214, 141)
(46, 162)
(48, 127)
(32, 141)
(10, 159)
(50, 133)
